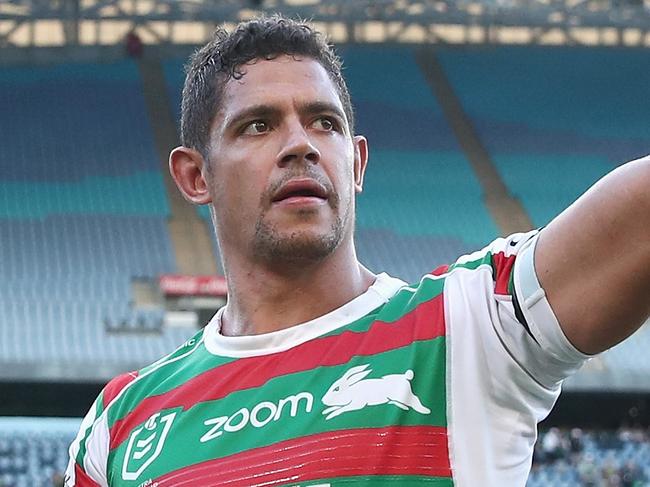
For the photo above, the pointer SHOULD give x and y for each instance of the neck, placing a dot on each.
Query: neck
(262, 299)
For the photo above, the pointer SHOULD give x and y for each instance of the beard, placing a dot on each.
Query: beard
(299, 248)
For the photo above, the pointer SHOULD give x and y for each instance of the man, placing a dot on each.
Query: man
(318, 372)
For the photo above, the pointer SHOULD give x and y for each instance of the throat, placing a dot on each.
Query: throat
(278, 306)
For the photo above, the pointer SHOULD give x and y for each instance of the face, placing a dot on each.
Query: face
(283, 168)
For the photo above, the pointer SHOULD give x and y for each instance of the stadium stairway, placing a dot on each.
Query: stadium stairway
(421, 206)
(505, 209)
(553, 119)
(189, 234)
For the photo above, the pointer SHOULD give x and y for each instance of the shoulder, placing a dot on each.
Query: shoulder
(495, 263)
(499, 253)
(126, 390)
(116, 385)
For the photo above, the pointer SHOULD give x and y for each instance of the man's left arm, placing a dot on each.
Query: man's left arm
(593, 260)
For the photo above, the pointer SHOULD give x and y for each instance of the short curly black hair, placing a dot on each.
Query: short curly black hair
(221, 59)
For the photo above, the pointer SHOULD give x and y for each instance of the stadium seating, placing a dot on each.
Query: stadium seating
(422, 205)
(549, 118)
(66, 316)
(34, 450)
(74, 121)
(553, 125)
(82, 212)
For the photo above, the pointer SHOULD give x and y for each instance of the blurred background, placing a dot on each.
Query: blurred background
(484, 118)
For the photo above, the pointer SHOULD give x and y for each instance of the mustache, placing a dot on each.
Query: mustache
(333, 197)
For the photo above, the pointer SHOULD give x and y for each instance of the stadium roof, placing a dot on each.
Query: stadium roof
(46, 23)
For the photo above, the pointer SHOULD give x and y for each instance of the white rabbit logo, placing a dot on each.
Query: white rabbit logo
(350, 392)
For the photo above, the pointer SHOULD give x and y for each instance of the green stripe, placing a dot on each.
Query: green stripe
(378, 480)
(164, 379)
(407, 299)
(184, 348)
(188, 427)
(98, 406)
(474, 264)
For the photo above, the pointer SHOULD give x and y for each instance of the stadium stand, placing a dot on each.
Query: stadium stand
(83, 213)
(567, 458)
(424, 201)
(83, 209)
(548, 108)
(33, 451)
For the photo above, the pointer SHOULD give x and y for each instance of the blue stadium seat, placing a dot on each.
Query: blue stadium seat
(422, 205)
(83, 211)
(541, 112)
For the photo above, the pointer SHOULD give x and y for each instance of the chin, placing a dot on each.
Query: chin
(295, 246)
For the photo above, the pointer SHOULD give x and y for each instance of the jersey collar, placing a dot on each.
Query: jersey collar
(377, 294)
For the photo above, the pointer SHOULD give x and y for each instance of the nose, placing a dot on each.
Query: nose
(298, 147)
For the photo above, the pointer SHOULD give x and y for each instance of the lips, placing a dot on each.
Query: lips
(300, 188)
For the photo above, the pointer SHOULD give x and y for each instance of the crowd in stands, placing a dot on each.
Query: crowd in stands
(592, 458)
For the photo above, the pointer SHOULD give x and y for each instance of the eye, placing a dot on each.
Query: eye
(256, 127)
(326, 124)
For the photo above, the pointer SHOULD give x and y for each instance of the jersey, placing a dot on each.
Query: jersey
(439, 383)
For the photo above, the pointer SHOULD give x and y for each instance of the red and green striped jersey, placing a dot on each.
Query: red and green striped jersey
(404, 385)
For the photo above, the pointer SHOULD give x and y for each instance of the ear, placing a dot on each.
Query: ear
(188, 169)
(358, 371)
(354, 378)
(360, 161)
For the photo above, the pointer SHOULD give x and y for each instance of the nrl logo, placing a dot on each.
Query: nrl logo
(351, 393)
(145, 444)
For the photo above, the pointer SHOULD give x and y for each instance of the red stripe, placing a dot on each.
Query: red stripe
(81, 478)
(118, 383)
(440, 270)
(397, 450)
(502, 266)
(423, 323)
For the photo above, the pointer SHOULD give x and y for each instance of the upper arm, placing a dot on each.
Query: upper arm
(89, 451)
(503, 306)
(593, 260)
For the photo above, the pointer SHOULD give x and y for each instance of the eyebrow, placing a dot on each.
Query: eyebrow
(264, 110)
(315, 107)
(256, 111)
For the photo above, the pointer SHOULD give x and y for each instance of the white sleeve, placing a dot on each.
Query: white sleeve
(553, 358)
(507, 357)
(89, 451)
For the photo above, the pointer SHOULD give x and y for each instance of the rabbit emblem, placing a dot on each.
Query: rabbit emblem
(350, 392)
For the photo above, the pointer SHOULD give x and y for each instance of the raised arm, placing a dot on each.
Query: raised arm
(593, 260)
